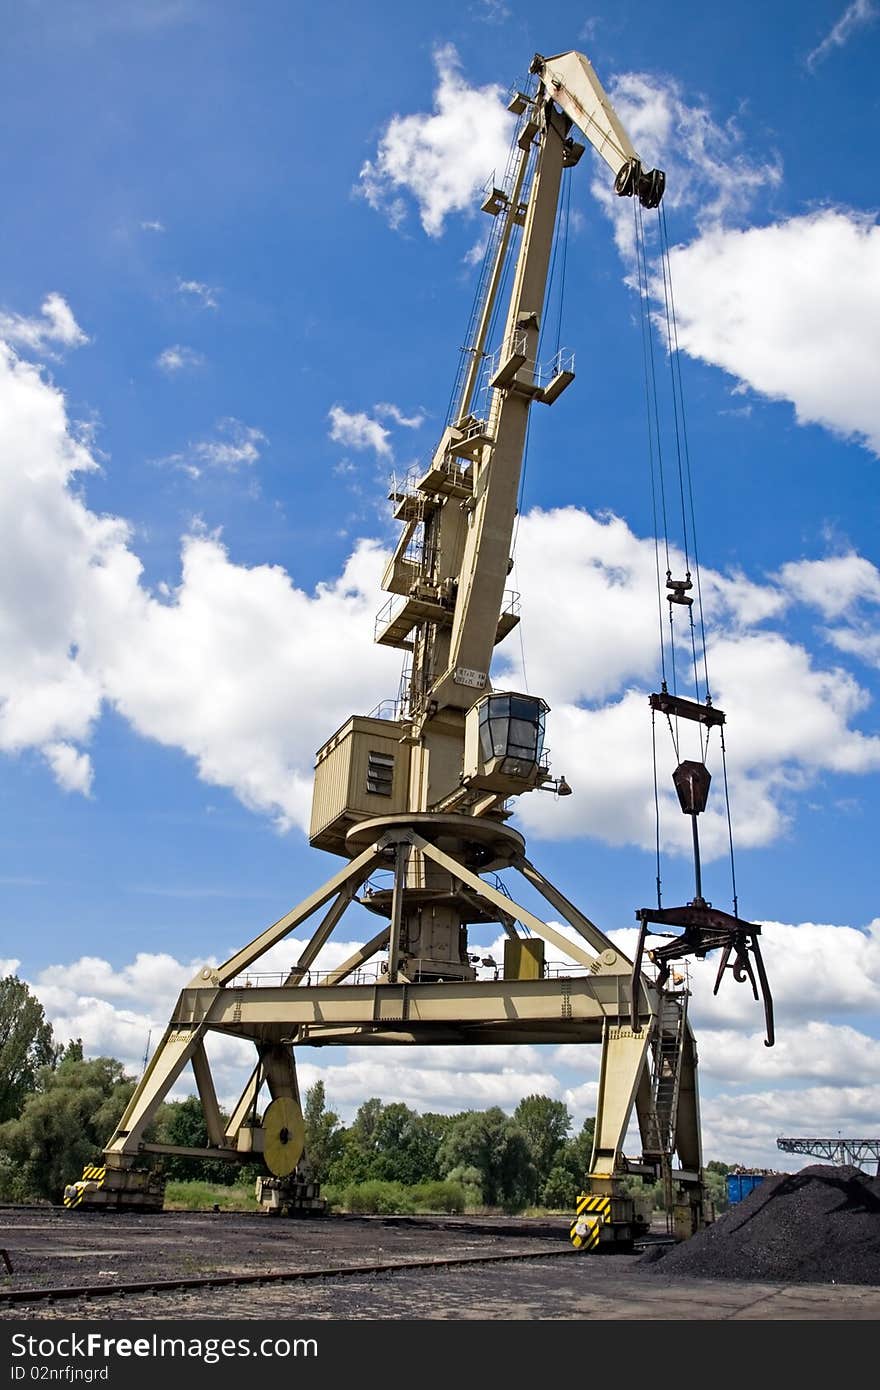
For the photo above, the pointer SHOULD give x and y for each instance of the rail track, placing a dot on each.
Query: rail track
(10, 1297)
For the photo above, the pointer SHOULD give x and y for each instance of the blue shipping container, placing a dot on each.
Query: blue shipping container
(739, 1185)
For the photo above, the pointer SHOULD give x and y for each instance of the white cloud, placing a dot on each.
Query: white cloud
(747, 1123)
(856, 16)
(179, 358)
(57, 561)
(594, 656)
(56, 327)
(359, 431)
(845, 587)
(270, 648)
(72, 769)
(8, 965)
(791, 310)
(79, 630)
(834, 585)
(442, 160)
(393, 412)
(707, 173)
(237, 448)
(493, 11)
(204, 294)
(153, 226)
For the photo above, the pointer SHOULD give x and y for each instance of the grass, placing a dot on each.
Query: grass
(205, 1196)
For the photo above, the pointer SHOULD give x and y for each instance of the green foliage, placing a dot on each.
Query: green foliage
(382, 1198)
(470, 1180)
(25, 1045)
(571, 1165)
(715, 1178)
(396, 1198)
(546, 1124)
(388, 1143)
(323, 1132)
(65, 1122)
(448, 1197)
(204, 1196)
(494, 1144)
(182, 1122)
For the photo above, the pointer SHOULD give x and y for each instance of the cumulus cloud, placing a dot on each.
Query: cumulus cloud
(748, 1122)
(56, 327)
(388, 410)
(594, 656)
(72, 769)
(357, 430)
(846, 590)
(709, 176)
(179, 359)
(856, 16)
(791, 310)
(237, 447)
(81, 631)
(441, 160)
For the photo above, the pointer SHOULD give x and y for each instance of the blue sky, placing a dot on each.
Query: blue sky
(239, 250)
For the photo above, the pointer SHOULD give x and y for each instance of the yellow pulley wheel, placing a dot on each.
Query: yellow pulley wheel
(284, 1136)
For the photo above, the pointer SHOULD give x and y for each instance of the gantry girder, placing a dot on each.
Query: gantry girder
(589, 1000)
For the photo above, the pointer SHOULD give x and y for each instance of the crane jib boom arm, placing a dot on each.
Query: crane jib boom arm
(569, 80)
(569, 93)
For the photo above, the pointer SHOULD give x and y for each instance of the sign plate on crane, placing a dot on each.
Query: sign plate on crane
(465, 676)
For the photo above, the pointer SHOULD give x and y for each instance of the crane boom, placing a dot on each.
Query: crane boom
(453, 558)
(569, 79)
(449, 607)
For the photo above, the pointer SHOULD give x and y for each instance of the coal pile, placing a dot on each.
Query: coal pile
(818, 1226)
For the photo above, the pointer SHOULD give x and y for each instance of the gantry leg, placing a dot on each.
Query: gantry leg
(166, 1064)
(624, 1061)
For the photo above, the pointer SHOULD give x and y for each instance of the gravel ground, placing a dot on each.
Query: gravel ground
(50, 1247)
(805, 1246)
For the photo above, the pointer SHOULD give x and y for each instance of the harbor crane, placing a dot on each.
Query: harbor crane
(416, 799)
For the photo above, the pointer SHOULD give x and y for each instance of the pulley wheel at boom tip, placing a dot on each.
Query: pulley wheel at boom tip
(648, 185)
(284, 1136)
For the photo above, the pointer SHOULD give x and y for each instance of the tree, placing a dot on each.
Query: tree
(546, 1124)
(568, 1175)
(491, 1142)
(25, 1044)
(323, 1132)
(183, 1122)
(65, 1122)
(390, 1143)
(715, 1178)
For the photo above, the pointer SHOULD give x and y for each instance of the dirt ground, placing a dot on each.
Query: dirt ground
(50, 1247)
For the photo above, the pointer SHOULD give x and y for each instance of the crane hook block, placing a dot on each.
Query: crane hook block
(632, 180)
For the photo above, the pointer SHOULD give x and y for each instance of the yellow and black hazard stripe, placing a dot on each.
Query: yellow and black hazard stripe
(592, 1213)
(94, 1176)
(600, 1205)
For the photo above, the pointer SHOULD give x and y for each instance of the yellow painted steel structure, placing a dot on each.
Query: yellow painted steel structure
(417, 805)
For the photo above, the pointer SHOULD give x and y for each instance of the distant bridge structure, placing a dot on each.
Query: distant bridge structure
(848, 1152)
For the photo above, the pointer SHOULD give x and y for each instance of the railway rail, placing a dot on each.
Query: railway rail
(8, 1297)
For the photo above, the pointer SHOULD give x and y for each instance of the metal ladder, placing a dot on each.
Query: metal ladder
(667, 1047)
